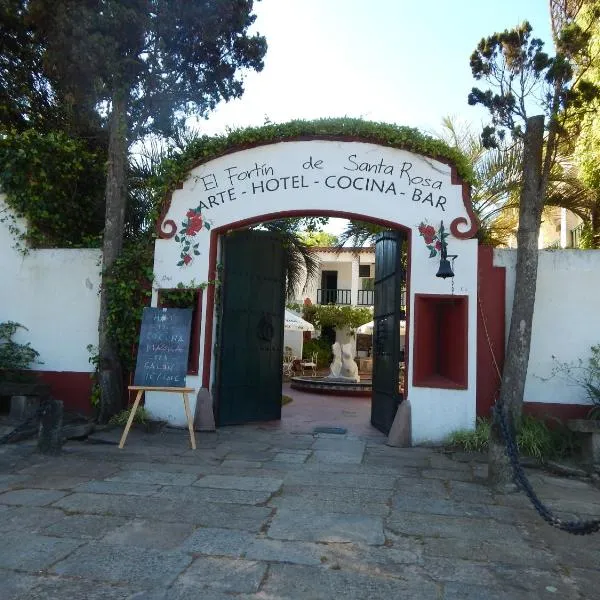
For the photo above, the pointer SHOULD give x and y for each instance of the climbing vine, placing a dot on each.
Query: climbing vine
(129, 289)
(175, 169)
(57, 184)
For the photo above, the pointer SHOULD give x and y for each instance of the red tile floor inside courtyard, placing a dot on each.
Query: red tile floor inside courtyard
(307, 411)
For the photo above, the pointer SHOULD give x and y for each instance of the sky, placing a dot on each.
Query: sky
(398, 61)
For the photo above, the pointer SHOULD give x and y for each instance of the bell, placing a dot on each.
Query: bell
(445, 269)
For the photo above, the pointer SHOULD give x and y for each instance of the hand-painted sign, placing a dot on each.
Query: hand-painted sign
(163, 347)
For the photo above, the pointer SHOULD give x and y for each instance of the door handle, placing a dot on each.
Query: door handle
(265, 329)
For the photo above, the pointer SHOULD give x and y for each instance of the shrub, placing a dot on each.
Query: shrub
(472, 440)
(585, 374)
(322, 347)
(14, 357)
(535, 438)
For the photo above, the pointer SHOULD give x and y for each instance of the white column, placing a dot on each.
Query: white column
(564, 230)
(355, 280)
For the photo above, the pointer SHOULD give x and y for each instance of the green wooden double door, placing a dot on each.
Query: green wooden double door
(251, 324)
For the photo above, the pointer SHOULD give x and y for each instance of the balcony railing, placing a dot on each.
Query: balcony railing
(365, 297)
(333, 296)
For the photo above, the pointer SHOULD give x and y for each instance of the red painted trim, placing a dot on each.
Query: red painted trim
(212, 265)
(491, 286)
(428, 340)
(74, 388)
(454, 180)
(210, 309)
(194, 352)
(466, 196)
(550, 412)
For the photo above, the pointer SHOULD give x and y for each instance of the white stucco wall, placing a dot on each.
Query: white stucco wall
(347, 179)
(54, 293)
(565, 322)
(438, 412)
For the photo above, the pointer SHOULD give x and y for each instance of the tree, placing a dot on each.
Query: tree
(319, 238)
(586, 131)
(147, 65)
(301, 264)
(518, 70)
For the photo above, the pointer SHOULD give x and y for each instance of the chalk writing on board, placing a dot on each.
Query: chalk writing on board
(163, 347)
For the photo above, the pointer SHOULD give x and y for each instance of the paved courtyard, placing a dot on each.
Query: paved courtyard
(263, 513)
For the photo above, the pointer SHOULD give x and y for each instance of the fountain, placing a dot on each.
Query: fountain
(343, 378)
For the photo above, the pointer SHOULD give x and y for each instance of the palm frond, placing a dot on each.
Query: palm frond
(301, 264)
(359, 233)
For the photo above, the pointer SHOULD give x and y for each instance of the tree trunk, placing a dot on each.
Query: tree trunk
(519, 338)
(110, 373)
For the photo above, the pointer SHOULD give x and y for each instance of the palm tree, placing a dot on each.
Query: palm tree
(301, 264)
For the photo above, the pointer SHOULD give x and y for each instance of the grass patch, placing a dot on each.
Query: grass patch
(534, 439)
(141, 416)
(471, 440)
(285, 400)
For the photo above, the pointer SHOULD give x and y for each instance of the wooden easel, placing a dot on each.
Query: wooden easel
(186, 404)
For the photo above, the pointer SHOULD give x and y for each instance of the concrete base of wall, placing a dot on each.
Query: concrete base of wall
(23, 407)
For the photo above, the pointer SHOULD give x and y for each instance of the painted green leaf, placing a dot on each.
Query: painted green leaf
(207, 225)
(196, 252)
(432, 251)
(180, 263)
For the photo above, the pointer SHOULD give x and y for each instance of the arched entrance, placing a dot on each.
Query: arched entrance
(338, 177)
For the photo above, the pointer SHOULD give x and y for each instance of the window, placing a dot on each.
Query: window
(364, 270)
(186, 298)
(440, 349)
(367, 284)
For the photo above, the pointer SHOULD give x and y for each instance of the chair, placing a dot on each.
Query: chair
(288, 362)
(310, 364)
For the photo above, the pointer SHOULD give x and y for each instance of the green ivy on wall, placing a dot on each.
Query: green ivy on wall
(57, 184)
(174, 170)
(129, 289)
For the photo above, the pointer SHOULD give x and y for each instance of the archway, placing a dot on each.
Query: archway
(351, 178)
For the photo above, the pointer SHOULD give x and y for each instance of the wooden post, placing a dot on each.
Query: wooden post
(140, 391)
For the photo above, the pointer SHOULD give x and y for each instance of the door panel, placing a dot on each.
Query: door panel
(249, 374)
(389, 282)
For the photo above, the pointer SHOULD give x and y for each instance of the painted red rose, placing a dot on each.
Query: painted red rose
(438, 245)
(429, 239)
(429, 231)
(190, 213)
(194, 224)
(187, 259)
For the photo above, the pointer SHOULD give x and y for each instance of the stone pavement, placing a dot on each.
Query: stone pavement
(261, 513)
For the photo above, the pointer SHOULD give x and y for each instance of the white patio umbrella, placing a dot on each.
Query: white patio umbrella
(368, 327)
(293, 322)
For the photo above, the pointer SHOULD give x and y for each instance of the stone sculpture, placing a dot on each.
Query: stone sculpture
(343, 367)
(335, 367)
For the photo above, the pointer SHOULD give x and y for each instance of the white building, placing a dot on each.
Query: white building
(345, 277)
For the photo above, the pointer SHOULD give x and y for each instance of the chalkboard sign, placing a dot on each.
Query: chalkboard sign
(163, 349)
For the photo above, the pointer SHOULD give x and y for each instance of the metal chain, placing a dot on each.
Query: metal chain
(574, 527)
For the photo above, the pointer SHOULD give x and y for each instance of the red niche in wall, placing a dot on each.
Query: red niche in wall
(441, 329)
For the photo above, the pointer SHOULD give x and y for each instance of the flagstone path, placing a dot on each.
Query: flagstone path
(262, 513)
